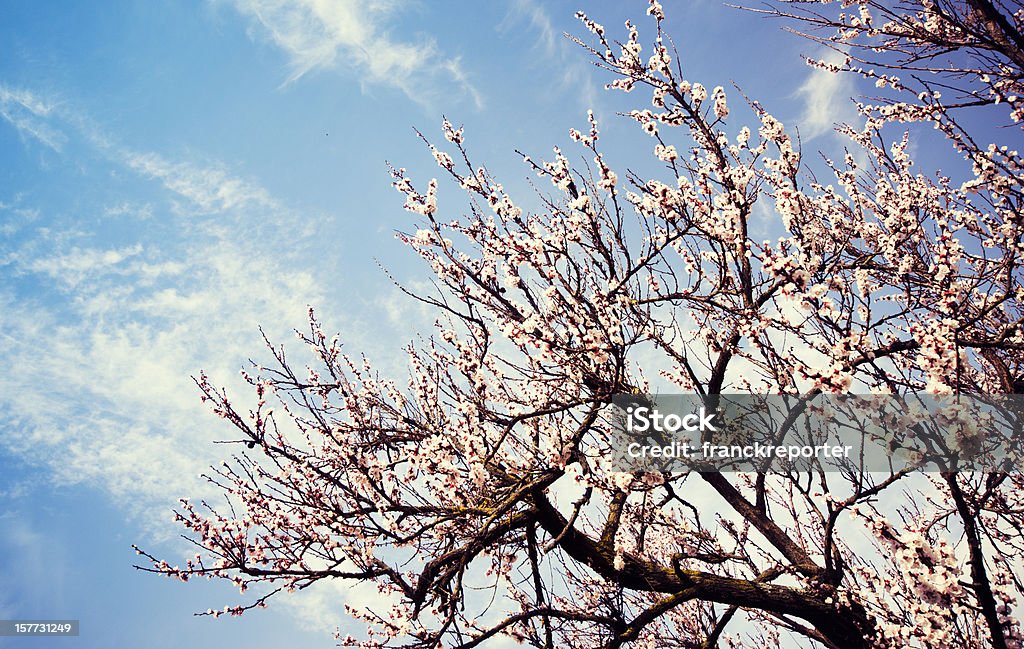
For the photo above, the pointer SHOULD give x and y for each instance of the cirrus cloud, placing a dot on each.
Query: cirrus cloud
(352, 34)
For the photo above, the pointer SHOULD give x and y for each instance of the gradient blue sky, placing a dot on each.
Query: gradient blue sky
(174, 174)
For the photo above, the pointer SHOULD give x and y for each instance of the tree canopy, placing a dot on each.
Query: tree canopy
(476, 493)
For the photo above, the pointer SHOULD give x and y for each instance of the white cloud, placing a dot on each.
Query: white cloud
(827, 99)
(351, 34)
(100, 340)
(128, 209)
(103, 395)
(27, 112)
(555, 51)
(27, 100)
(77, 264)
(454, 68)
(211, 188)
(532, 13)
(15, 218)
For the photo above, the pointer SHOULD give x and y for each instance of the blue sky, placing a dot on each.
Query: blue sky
(174, 174)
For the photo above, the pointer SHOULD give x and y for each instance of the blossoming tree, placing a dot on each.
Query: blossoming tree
(475, 494)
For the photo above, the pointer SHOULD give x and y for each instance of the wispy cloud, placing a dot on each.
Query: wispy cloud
(352, 34)
(530, 12)
(209, 188)
(78, 263)
(98, 386)
(458, 75)
(101, 331)
(826, 98)
(27, 112)
(35, 579)
(556, 52)
(100, 339)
